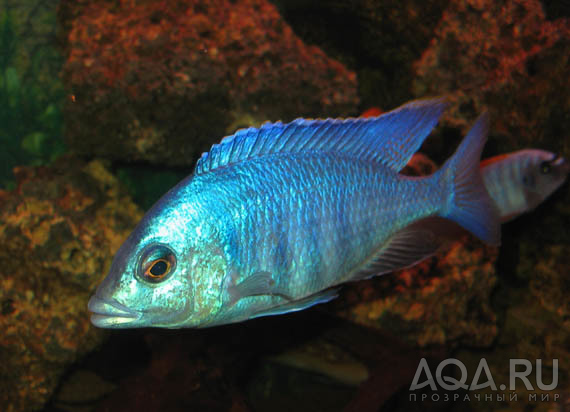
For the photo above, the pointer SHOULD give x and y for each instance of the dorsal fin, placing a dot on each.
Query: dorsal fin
(391, 138)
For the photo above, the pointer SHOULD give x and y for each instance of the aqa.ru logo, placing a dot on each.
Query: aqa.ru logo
(451, 384)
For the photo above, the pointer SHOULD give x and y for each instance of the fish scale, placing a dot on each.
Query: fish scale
(316, 233)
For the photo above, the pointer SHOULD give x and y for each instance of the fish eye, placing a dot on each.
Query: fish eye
(156, 264)
(545, 168)
(157, 269)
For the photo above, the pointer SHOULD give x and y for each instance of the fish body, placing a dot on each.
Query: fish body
(519, 181)
(275, 217)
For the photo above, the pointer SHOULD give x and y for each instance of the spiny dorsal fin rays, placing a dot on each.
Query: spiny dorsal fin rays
(391, 138)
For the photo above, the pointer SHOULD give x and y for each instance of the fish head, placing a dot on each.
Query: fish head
(157, 272)
(543, 173)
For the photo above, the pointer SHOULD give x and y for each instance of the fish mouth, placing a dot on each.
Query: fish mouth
(561, 163)
(111, 314)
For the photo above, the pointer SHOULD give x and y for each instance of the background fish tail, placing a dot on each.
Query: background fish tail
(469, 204)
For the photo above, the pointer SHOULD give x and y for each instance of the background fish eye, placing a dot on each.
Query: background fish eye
(157, 263)
(545, 168)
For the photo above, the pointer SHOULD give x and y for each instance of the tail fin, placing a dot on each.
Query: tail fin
(470, 205)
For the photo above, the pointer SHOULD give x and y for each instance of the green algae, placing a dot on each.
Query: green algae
(31, 94)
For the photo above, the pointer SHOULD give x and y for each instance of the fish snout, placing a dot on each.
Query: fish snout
(110, 313)
(563, 164)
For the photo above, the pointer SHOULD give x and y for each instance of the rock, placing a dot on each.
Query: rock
(550, 283)
(529, 332)
(160, 83)
(380, 40)
(58, 232)
(507, 58)
(82, 387)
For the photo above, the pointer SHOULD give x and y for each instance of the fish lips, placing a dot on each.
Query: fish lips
(111, 314)
(563, 164)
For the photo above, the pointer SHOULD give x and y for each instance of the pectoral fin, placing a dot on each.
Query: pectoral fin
(259, 283)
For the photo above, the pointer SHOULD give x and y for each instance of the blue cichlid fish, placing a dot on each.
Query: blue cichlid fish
(274, 217)
(520, 181)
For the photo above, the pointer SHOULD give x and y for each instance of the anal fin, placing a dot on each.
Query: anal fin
(407, 247)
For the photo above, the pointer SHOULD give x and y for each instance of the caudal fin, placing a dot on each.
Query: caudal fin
(470, 205)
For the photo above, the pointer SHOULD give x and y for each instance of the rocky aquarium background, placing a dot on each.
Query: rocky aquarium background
(104, 105)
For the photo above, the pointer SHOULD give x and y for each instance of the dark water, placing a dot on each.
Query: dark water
(138, 91)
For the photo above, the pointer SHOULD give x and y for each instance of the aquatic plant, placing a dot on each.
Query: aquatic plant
(30, 98)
